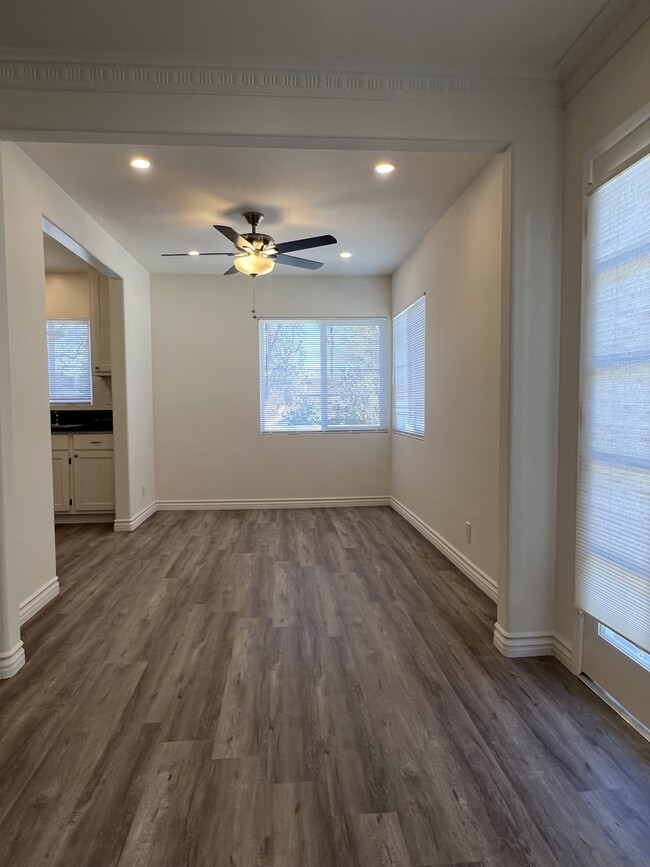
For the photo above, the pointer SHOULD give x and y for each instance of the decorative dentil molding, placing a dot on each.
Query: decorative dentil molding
(57, 72)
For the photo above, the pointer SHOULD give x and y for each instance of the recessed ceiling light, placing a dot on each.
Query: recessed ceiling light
(140, 163)
(346, 255)
(384, 168)
(194, 253)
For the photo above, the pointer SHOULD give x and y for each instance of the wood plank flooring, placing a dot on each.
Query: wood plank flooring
(308, 688)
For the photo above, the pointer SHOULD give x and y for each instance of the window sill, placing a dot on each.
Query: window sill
(411, 436)
(312, 432)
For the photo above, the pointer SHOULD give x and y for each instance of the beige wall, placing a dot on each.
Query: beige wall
(67, 296)
(452, 474)
(617, 92)
(206, 393)
(28, 195)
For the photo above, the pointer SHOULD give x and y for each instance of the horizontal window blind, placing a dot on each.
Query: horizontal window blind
(323, 375)
(408, 369)
(68, 361)
(613, 538)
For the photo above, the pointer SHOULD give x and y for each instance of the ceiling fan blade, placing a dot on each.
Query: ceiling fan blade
(298, 263)
(232, 270)
(200, 254)
(305, 243)
(235, 237)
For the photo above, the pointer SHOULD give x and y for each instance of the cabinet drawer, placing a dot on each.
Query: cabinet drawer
(92, 441)
(59, 442)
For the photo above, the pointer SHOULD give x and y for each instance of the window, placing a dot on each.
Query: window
(408, 369)
(68, 361)
(323, 375)
(613, 532)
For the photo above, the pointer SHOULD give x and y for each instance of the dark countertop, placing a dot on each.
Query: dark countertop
(79, 429)
(93, 421)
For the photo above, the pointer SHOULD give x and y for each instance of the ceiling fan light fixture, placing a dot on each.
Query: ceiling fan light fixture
(254, 264)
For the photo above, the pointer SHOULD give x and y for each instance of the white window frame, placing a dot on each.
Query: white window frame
(325, 427)
(416, 434)
(74, 403)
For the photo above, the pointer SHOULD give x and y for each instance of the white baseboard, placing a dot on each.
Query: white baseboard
(127, 525)
(12, 661)
(39, 599)
(515, 645)
(484, 582)
(287, 503)
(563, 651)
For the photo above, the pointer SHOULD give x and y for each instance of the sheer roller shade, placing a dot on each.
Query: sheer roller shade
(68, 361)
(322, 375)
(408, 369)
(613, 538)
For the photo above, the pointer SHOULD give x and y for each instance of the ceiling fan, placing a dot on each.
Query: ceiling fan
(258, 254)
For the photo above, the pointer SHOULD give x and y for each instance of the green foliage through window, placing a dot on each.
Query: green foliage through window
(323, 375)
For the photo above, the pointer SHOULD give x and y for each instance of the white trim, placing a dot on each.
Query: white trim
(288, 503)
(483, 581)
(74, 71)
(515, 645)
(609, 30)
(12, 661)
(127, 525)
(563, 651)
(39, 599)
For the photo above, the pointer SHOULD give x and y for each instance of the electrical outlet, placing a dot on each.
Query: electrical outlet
(468, 531)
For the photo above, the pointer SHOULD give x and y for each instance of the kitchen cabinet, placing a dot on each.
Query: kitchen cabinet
(100, 326)
(83, 473)
(61, 473)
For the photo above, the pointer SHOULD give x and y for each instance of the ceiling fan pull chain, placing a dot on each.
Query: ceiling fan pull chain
(253, 310)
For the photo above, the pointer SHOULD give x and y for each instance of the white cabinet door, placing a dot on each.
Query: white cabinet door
(61, 480)
(100, 323)
(94, 485)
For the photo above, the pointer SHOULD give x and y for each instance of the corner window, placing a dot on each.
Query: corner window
(408, 369)
(323, 375)
(68, 361)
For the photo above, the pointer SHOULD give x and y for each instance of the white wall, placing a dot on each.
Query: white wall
(526, 116)
(206, 393)
(27, 195)
(618, 91)
(452, 475)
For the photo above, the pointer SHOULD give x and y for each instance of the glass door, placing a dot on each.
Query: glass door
(613, 521)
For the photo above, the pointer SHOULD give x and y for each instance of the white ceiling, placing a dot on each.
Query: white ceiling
(440, 33)
(172, 207)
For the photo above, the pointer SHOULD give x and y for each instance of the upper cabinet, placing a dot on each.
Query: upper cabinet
(100, 324)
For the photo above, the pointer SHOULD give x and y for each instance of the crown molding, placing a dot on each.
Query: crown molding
(46, 71)
(614, 25)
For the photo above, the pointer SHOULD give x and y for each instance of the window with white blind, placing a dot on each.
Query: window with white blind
(323, 375)
(68, 361)
(613, 538)
(408, 369)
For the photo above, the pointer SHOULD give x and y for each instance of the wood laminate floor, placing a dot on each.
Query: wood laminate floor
(309, 688)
